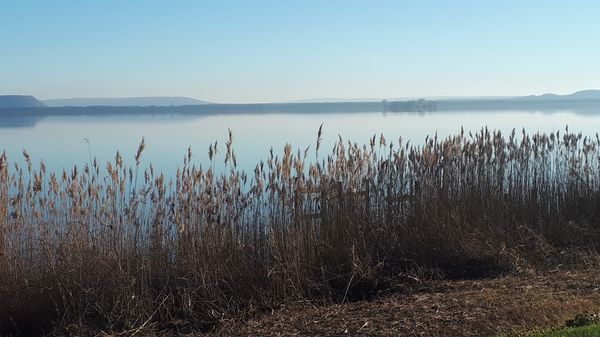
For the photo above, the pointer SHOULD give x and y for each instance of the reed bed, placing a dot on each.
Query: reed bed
(118, 247)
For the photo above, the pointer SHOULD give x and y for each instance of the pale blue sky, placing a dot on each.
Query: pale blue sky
(259, 51)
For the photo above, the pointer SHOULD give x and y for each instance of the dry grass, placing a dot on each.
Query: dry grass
(491, 307)
(118, 248)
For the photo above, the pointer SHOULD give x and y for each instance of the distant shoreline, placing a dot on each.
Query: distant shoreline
(333, 107)
(203, 109)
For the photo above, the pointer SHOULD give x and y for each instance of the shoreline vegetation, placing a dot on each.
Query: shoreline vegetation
(419, 106)
(25, 104)
(116, 247)
(29, 117)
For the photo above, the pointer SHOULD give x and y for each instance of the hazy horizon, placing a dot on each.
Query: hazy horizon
(234, 51)
(313, 99)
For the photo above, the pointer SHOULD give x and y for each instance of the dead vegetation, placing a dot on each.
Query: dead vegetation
(490, 307)
(122, 248)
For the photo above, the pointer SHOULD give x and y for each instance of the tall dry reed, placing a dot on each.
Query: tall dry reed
(121, 248)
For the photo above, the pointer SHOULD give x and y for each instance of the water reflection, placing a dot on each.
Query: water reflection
(58, 139)
(20, 120)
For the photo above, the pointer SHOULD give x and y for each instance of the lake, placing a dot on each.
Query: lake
(61, 141)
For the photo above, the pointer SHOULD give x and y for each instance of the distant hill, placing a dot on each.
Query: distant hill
(379, 99)
(332, 100)
(19, 101)
(579, 95)
(584, 100)
(125, 101)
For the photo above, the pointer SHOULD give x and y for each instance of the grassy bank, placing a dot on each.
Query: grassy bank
(116, 247)
(507, 306)
(586, 331)
(582, 331)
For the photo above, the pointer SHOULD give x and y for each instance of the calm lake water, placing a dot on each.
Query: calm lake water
(59, 140)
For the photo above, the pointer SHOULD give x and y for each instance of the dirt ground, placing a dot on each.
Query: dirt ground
(440, 308)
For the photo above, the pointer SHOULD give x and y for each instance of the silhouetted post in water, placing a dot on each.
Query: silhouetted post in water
(297, 213)
(341, 214)
(367, 200)
(340, 196)
(416, 203)
(323, 209)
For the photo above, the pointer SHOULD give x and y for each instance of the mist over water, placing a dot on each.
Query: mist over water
(62, 141)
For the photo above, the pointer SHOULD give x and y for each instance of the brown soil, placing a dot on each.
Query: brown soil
(450, 308)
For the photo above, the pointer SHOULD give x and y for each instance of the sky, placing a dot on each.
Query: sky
(270, 51)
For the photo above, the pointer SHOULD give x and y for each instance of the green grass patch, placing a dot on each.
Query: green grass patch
(582, 331)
